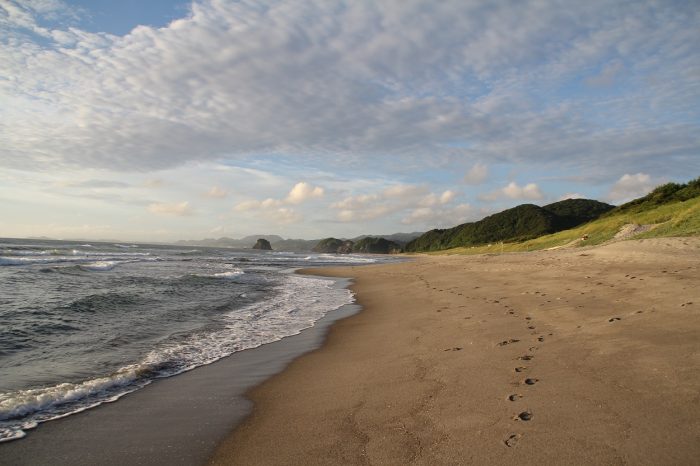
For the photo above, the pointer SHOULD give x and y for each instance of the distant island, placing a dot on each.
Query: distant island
(262, 244)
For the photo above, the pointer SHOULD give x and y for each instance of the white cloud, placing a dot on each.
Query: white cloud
(217, 192)
(447, 197)
(178, 209)
(275, 210)
(303, 191)
(629, 187)
(433, 199)
(477, 174)
(300, 193)
(513, 191)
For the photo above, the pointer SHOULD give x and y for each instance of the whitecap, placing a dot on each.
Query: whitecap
(229, 274)
(99, 266)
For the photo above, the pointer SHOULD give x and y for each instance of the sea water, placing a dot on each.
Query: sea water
(85, 323)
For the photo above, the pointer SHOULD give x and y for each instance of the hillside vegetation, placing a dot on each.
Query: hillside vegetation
(372, 245)
(333, 246)
(366, 245)
(518, 224)
(672, 210)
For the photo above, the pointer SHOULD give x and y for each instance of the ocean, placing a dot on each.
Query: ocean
(82, 324)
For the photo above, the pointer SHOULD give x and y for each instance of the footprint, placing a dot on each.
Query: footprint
(540, 339)
(531, 327)
(614, 319)
(514, 397)
(512, 440)
(456, 348)
(524, 416)
(520, 369)
(530, 381)
(508, 342)
(526, 357)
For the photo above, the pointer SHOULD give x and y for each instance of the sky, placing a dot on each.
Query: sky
(166, 120)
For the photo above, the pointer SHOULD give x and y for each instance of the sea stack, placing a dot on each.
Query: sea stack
(263, 244)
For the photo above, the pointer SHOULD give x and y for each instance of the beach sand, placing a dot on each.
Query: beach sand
(575, 356)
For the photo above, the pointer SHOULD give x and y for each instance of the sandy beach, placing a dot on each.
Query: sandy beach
(576, 356)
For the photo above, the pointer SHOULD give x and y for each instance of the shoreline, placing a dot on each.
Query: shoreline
(580, 356)
(177, 420)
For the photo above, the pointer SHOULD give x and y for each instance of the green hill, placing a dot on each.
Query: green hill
(333, 246)
(664, 194)
(573, 212)
(517, 224)
(367, 245)
(669, 210)
(372, 245)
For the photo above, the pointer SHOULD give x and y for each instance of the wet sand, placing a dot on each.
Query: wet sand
(578, 356)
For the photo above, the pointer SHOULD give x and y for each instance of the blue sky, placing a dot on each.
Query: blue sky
(165, 120)
(121, 17)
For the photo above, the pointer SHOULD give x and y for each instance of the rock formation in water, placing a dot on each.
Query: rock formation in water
(263, 244)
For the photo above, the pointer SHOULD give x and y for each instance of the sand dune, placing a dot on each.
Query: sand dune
(578, 356)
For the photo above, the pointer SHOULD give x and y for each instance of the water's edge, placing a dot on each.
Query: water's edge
(173, 421)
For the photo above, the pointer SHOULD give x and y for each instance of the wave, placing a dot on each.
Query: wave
(95, 258)
(229, 274)
(43, 404)
(37, 260)
(37, 252)
(187, 253)
(111, 254)
(298, 302)
(100, 266)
